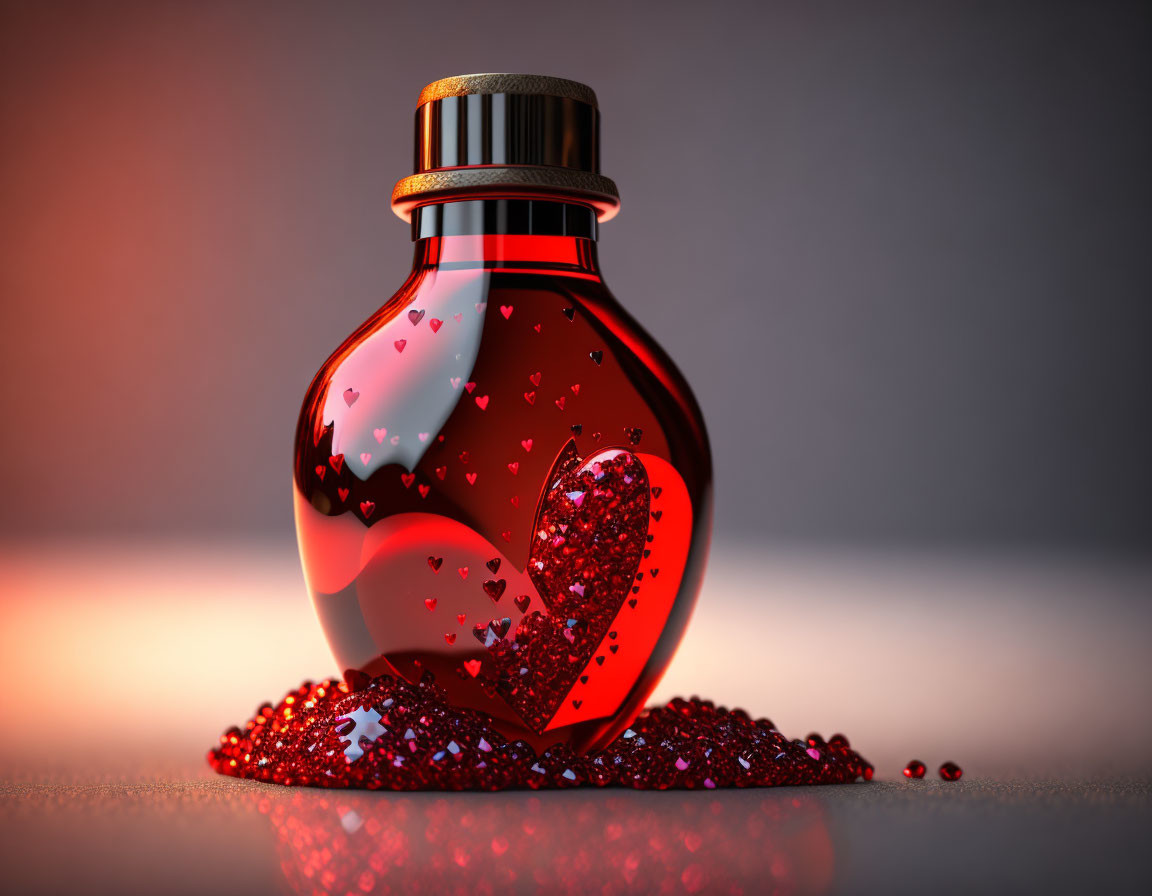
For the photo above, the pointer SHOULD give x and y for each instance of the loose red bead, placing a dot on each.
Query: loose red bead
(950, 771)
(915, 769)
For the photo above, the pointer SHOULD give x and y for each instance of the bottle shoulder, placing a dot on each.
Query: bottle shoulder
(469, 336)
(647, 356)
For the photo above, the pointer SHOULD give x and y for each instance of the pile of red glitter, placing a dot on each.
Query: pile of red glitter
(387, 734)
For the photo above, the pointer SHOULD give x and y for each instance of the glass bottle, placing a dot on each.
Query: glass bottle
(500, 479)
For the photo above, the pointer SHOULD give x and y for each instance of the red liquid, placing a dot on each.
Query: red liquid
(502, 481)
(388, 734)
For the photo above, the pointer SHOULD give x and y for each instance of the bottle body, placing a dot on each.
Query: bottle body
(500, 480)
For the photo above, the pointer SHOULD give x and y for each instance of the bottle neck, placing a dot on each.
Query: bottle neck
(525, 235)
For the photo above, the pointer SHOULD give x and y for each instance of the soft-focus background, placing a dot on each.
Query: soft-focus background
(900, 250)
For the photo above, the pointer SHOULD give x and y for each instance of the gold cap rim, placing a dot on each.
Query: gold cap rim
(507, 82)
(586, 187)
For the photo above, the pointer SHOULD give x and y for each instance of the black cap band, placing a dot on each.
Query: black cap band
(507, 136)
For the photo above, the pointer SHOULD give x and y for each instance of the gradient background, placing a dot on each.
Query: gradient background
(900, 250)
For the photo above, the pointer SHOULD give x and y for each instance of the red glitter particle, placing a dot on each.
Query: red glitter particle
(384, 733)
(914, 769)
(950, 771)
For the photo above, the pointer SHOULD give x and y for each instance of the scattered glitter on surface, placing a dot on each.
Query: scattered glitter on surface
(386, 734)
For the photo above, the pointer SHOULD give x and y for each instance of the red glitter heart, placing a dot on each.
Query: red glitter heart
(494, 588)
(589, 534)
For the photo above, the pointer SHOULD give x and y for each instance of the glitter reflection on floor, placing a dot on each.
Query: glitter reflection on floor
(340, 842)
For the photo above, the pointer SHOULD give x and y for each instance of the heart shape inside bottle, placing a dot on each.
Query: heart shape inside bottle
(559, 637)
(587, 543)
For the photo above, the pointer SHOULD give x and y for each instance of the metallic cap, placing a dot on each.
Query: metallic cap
(507, 136)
